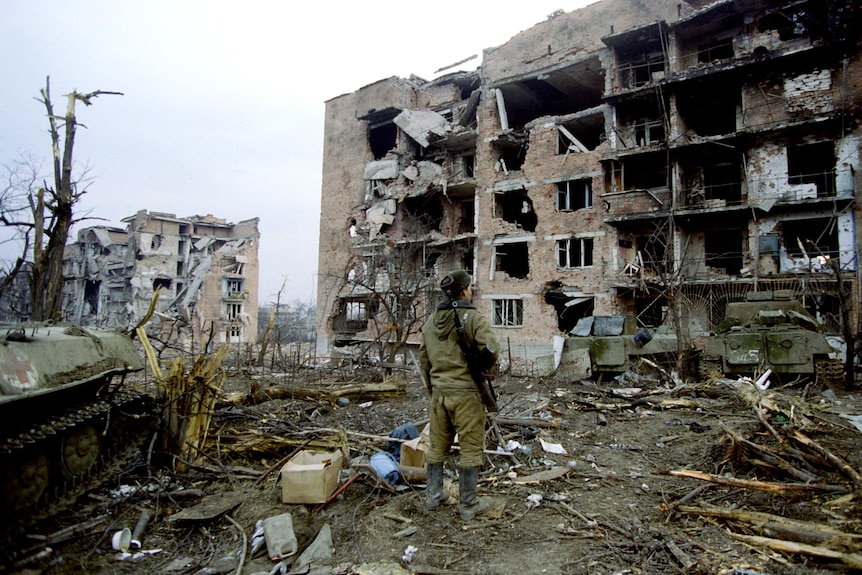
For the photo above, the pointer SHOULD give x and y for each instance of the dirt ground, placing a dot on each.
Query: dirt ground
(608, 503)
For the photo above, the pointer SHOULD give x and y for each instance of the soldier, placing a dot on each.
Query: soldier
(456, 404)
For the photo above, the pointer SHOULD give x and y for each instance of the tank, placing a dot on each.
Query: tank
(62, 408)
(770, 330)
(615, 342)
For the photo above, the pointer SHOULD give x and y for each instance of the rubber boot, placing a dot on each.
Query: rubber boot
(434, 494)
(471, 504)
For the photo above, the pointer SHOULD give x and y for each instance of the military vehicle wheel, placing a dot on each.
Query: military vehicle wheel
(79, 451)
(24, 479)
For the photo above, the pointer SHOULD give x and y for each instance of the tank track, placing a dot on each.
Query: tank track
(117, 417)
(829, 373)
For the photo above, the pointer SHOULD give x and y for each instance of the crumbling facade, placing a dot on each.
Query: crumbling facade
(656, 159)
(204, 268)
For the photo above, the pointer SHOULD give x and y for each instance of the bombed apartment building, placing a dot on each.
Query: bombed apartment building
(204, 269)
(656, 159)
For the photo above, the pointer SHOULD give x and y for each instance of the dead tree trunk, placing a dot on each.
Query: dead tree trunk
(46, 284)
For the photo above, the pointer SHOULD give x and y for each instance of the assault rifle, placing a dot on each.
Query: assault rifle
(479, 361)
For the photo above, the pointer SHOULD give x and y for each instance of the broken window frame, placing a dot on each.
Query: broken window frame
(647, 132)
(507, 312)
(233, 287)
(233, 311)
(723, 49)
(580, 189)
(614, 172)
(355, 311)
(402, 307)
(639, 72)
(574, 253)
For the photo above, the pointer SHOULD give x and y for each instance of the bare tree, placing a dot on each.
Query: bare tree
(383, 298)
(43, 227)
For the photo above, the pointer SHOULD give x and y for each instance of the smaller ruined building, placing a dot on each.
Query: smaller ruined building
(204, 268)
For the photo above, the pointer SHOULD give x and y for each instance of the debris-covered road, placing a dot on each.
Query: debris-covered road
(641, 476)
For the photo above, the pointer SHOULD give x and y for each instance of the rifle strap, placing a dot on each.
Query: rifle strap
(462, 335)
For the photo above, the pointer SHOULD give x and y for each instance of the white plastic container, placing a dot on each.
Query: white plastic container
(279, 536)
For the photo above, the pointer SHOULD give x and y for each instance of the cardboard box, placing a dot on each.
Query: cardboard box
(413, 451)
(310, 476)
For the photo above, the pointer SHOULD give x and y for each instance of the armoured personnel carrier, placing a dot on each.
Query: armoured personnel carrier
(61, 410)
(615, 342)
(770, 330)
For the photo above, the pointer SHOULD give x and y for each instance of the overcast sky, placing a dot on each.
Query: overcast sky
(223, 102)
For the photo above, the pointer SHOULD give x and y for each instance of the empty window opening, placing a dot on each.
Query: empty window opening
(469, 166)
(513, 259)
(156, 242)
(722, 101)
(467, 217)
(715, 49)
(402, 308)
(234, 328)
(575, 253)
(797, 21)
(641, 122)
(233, 287)
(180, 268)
(812, 237)
(356, 311)
(382, 138)
(642, 172)
(164, 283)
(650, 309)
(557, 93)
(508, 312)
(813, 164)
(569, 308)
(91, 297)
(456, 170)
(467, 262)
(181, 247)
(352, 316)
(422, 214)
(574, 194)
(517, 208)
(642, 61)
(652, 250)
(647, 132)
(826, 308)
(723, 182)
(589, 133)
(234, 310)
(510, 154)
(724, 250)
